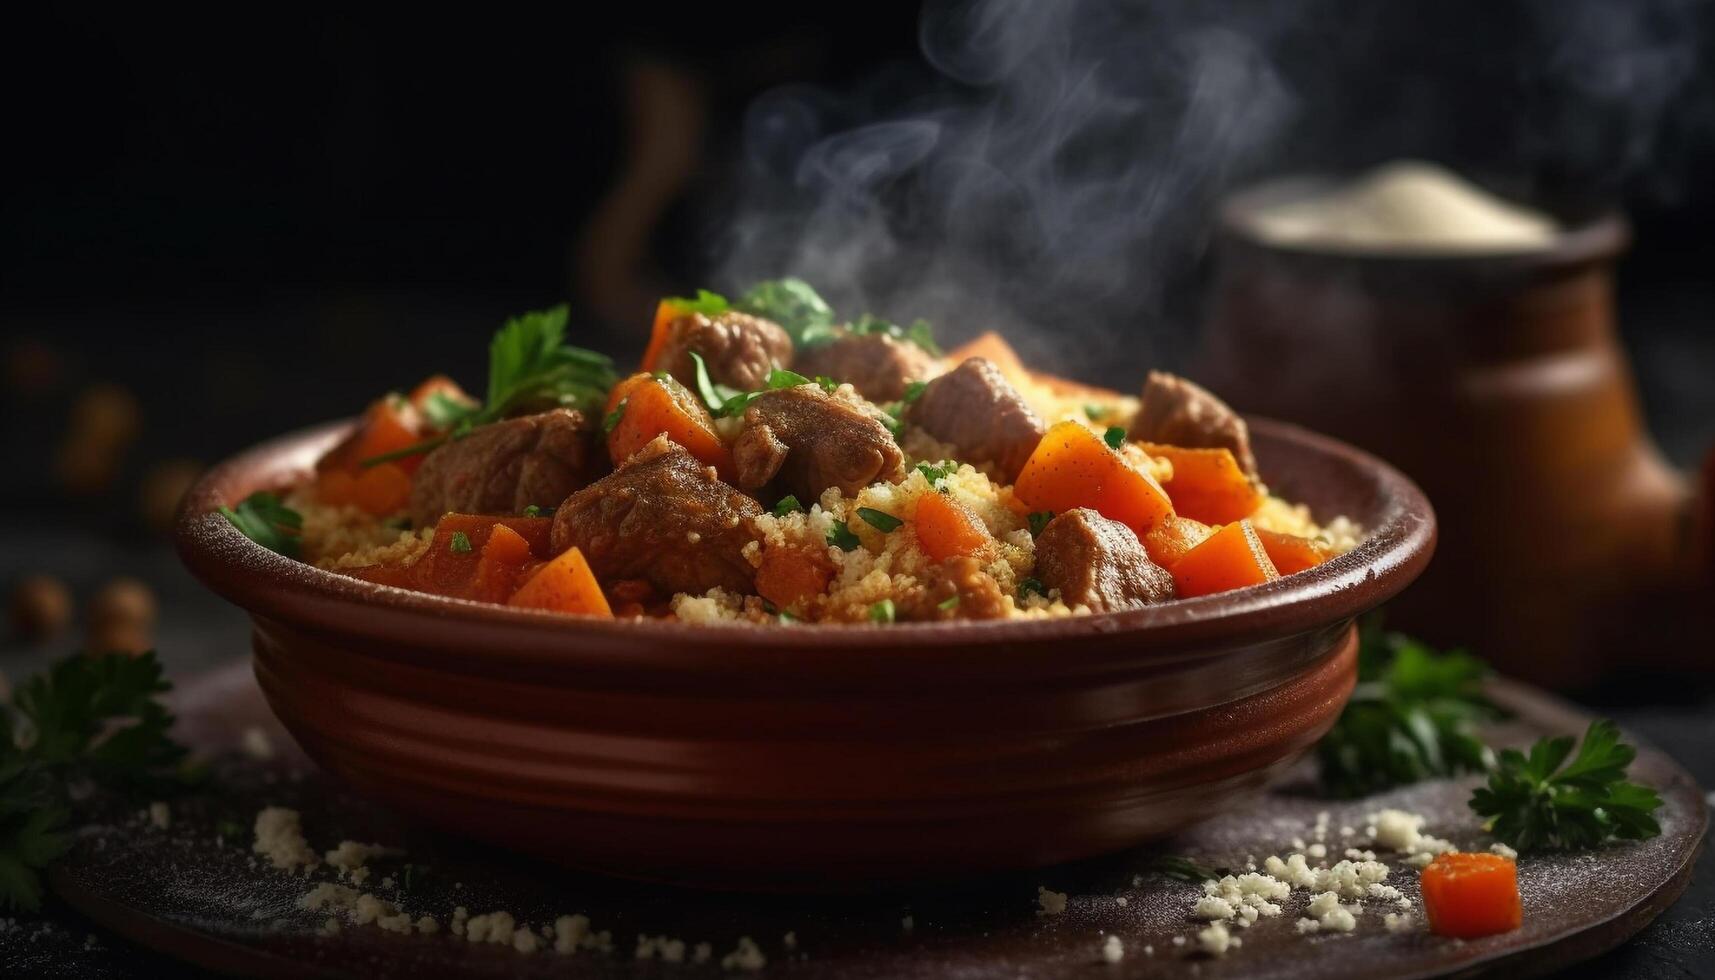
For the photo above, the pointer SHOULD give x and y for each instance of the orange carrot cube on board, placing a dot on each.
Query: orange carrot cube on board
(1073, 467)
(564, 585)
(947, 528)
(1471, 895)
(1231, 558)
(1207, 484)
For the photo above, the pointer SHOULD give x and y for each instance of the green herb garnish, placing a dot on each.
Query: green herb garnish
(460, 543)
(840, 536)
(705, 302)
(529, 364)
(827, 384)
(1031, 586)
(936, 473)
(948, 604)
(914, 391)
(444, 412)
(881, 612)
(715, 397)
(89, 717)
(1114, 437)
(612, 419)
(1413, 716)
(262, 518)
(1541, 801)
(531, 510)
(795, 306)
(787, 505)
(1185, 869)
(1094, 412)
(880, 520)
(1039, 520)
(919, 332)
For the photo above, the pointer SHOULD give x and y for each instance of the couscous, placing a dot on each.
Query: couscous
(769, 463)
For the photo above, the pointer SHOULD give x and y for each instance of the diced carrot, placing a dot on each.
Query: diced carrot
(947, 528)
(1291, 553)
(1073, 467)
(666, 312)
(649, 406)
(993, 347)
(564, 585)
(1471, 895)
(502, 565)
(1168, 541)
(389, 424)
(336, 487)
(1231, 558)
(790, 575)
(382, 489)
(440, 384)
(534, 530)
(1207, 484)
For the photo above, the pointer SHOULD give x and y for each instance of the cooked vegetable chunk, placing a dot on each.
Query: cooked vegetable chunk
(1291, 553)
(1073, 467)
(975, 410)
(1176, 412)
(878, 366)
(644, 406)
(506, 466)
(803, 440)
(663, 517)
(1168, 541)
(1231, 558)
(1098, 563)
(563, 585)
(1207, 484)
(948, 529)
(1471, 895)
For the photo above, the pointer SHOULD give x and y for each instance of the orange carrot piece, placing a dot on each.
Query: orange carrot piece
(1231, 558)
(501, 567)
(649, 406)
(1471, 895)
(1169, 541)
(947, 528)
(382, 489)
(1290, 552)
(439, 384)
(478, 527)
(666, 312)
(564, 585)
(387, 425)
(1073, 467)
(1207, 484)
(336, 487)
(790, 575)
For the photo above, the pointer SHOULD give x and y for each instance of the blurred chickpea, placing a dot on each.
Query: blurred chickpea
(32, 367)
(122, 602)
(119, 638)
(40, 607)
(104, 421)
(164, 485)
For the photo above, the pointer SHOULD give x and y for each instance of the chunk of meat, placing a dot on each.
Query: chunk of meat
(506, 466)
(1098, 563)
(806, 440)
(1179, 413)
(981, 415)
(665, 518)
(739, 349)
(878, 366)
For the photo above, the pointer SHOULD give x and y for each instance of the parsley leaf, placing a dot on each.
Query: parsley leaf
(705, 302)
(460, 543)
(1541, 801)
(1094, 412)
(787, 505)
(444, 411)
(611, 421)
(88, 716)
(715, 396)
(948, 604)
(919, 332)
(1032, 586)
(880, 520)
(840, 536)
(795, 306)
(1114, 437)
(881, 612)
(1185, 869)
(262, 518)
(936, 473)
(1413, 716)
(914, 391)
(1039, 520)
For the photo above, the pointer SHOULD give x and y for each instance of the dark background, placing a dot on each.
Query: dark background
(252, 223)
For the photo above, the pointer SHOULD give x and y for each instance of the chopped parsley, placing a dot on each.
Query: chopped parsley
(1542, 801)
(444, 411)
(840, 536)
(1031, 586)
(705, 302)
(611, 420)
(795, 306)
(948, 604)
(460, 543)
(880, 520)
(1094, 412)
(1114, 437)
(936, 473)
(1039, 520)
(919, 332)
(786, 505)
(262, 518)
(535, 511)
(828, 384)
(715, 397)
(881, 612)
(914, 391)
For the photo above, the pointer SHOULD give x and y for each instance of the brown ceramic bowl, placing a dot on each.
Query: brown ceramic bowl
(812, 758)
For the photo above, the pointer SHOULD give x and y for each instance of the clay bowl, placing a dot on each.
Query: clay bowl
(807, 758)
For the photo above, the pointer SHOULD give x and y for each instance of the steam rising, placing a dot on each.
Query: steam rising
(1057, 177)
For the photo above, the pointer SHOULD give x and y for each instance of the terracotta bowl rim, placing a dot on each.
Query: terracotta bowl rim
(1396, 549)
(1594, 238)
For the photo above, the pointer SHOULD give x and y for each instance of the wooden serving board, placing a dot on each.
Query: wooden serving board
(215, 904)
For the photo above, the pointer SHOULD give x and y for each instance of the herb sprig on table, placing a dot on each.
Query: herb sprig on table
(1543, 801)
(93, 717)
(530, 366)
(1413, 716)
